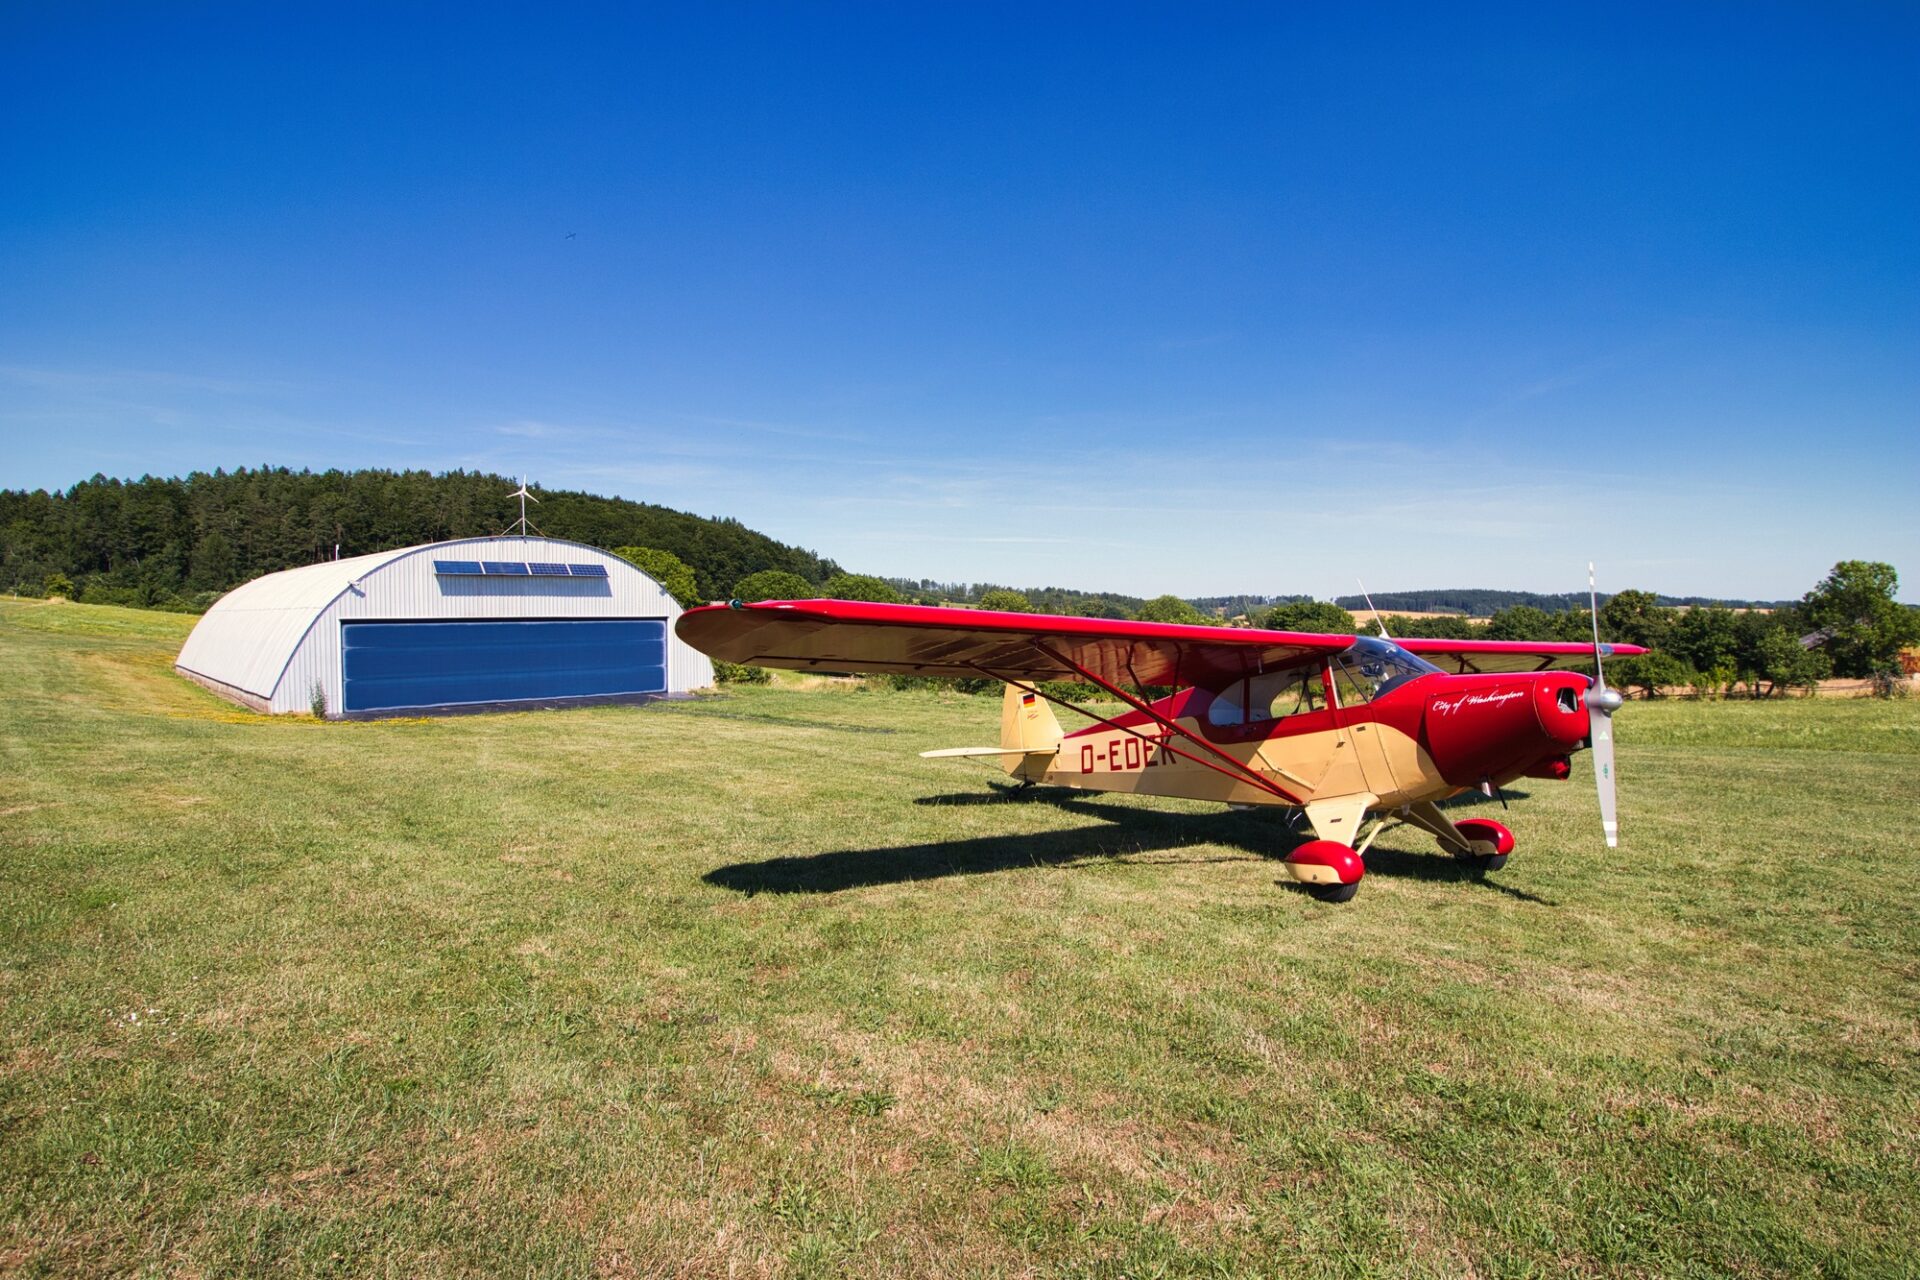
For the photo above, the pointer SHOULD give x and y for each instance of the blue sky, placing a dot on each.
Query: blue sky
(1199, 299)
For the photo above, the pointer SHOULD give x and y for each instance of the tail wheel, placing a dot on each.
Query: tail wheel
(1487, 831)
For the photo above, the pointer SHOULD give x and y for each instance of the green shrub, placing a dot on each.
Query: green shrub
(861, 586)
(1650, 673)
(951, 684)
(1785, 664)
(1311, 616)
(667, 569)
(772, 584)
(1456, 627)
(1005, 600)
(1172, 609)
(1064, 690)
(740, 673)
(1079, 691)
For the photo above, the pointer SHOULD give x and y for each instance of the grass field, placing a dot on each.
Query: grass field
(742, 987)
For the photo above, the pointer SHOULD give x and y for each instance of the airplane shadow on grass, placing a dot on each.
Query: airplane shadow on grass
(1130, 831)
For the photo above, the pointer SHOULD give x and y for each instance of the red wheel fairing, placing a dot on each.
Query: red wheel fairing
(1325, 862)
(1488, 830)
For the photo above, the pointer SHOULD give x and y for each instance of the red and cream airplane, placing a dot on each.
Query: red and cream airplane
(1358, 733)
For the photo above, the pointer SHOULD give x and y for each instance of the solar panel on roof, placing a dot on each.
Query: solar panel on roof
(542, 569)
(509, 568)
(588, 570)
(457, 568)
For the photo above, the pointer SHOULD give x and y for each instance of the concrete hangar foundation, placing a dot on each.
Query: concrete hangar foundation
(477, 623)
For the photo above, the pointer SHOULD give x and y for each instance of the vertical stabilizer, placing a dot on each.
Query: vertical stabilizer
(1029, 738)
(1027, 724)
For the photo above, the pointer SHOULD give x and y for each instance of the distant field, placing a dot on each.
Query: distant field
(744, 987)
(1364, 613)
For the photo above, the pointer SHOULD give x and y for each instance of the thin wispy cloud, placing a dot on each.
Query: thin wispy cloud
(537, 431)
(1195, 342)
(775, 428)
(980, 539)
(125, 381)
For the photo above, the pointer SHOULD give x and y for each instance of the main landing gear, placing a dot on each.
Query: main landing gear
(1489, 843)
(1331, 870)
(1328, 870)
(1330, 867)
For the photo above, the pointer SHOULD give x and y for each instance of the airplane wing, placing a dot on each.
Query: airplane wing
(1500, 656)
(847, 635)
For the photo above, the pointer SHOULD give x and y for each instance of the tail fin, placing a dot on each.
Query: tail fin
(1027, 724)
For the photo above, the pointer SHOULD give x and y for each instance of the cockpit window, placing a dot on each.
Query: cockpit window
(1373, 667)
(1272, 696)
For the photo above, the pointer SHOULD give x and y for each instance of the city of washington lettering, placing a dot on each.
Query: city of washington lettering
(1500, 697)
(1124, 752)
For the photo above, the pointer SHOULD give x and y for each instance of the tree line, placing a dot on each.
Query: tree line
(1481, 602)
(1849, 624)
(180, 543)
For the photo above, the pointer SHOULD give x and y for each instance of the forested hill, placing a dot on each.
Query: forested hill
(181, 542)
(1481, 602)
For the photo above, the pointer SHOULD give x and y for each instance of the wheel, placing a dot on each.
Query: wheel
(1327, 869)
(1490, 832)
(1494, 833)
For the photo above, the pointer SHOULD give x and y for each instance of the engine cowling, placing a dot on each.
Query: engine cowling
(1500, 727)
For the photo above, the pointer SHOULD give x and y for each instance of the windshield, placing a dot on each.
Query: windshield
(1372, 667)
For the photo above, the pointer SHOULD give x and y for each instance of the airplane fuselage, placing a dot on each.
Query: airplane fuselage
(1424, 739)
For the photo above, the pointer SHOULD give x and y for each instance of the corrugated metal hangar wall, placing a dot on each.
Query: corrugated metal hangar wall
(476, 623)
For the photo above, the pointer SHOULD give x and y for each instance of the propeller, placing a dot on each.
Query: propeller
(1602, 702)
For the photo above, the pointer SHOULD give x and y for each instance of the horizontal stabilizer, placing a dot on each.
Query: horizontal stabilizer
(959, 753)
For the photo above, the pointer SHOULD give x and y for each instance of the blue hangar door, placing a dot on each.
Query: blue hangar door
(394, 665)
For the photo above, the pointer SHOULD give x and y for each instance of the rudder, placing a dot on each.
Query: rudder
(1028, 725)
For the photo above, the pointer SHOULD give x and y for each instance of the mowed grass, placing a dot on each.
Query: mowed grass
(743, 987)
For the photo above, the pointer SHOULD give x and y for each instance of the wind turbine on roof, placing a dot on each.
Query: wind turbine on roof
(523, 526)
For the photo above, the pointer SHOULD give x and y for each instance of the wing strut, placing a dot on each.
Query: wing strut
(1238, 770)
